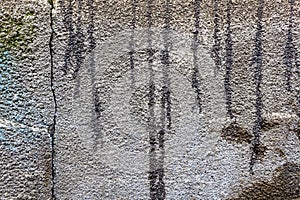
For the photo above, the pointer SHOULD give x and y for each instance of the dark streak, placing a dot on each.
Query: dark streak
(96, 111)
(195, 49)
(216, 36)
(257, 60)
(53, 126)
(165, 59)
(132, 41)
(153, 172)
(68, 22)
(228, 62)
(289, 52)
(79, 48)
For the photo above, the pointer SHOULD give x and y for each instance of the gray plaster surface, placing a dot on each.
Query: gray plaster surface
(150, 100)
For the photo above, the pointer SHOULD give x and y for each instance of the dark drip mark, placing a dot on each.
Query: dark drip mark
(165, 59)
(228, 62)
(79, 48)
(96, 111)
(257, 61)
(216, 36)
(53, 125)
(195, 49)
(132, 41)
(68, 23)
(151, 103)
(289, 53)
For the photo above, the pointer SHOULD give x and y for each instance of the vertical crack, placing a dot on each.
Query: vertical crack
(52, 126)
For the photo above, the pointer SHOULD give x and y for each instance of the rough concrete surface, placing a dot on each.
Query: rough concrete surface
(149, 99)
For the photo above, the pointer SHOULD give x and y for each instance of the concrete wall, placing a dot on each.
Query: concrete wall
(162, 99)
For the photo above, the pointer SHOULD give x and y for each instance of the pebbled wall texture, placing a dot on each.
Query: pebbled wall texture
(149, 99)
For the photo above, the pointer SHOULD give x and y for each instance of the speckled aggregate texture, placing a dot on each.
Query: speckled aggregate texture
(25, 100)
(150, 99)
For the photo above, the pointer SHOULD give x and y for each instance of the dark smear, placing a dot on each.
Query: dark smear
(195, 49)
(257, 61)
(279, 152)
(268, 124)
(236, 133)
(228, 62)
(289, 51)
(216, 36)
(165, 59)
(68, 23)
(285, 184)
(79, 49)
(132, 41)
(53, 125)
(153, 175)
(156, 140)
(96, 111)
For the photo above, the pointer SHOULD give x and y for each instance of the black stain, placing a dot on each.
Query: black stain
(132, 40)
(257, 61)
(236, 133)
(165, 59)
(268, 124)
(68, 23)
(151, 103)
(156, 140)
(290, 50)
(228, 62)
(195, 49)
(79, 48)
(216, 35)
(97, 109)
(285, 184)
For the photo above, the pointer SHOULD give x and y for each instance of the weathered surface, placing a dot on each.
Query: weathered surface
(166, 99)
(25, 100)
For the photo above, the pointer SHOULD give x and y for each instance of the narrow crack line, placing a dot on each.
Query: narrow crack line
(52, 126)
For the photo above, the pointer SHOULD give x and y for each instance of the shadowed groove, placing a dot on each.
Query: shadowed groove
(257, 61)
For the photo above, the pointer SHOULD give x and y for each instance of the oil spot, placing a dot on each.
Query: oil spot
(279, 152)
(236, 133)
(285, 184)
(268, 124)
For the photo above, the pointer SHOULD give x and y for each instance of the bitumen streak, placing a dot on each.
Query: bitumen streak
(79, 49)
(257, 61)
(195, 49)
(290, 50)
(132, 41)
(152, 176)
(68, 23)
(228, 62)
(216, 36)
